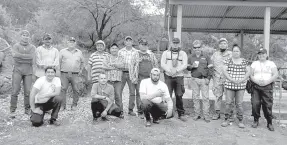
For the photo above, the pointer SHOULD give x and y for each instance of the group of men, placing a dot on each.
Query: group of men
(54, 70)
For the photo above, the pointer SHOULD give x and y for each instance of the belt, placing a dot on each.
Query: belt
(71, 72)
(201, 77)
(125, 71)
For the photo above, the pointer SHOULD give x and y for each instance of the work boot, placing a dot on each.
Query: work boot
(132, 113)
(155, 121)
(182, 118)
(270, 127)
(255, 123)
(207, 119)
(12, 115)
(195, 118)
(54, 122)
(241, 125)
(225, 123)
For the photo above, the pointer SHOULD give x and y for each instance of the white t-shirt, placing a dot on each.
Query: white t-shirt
(149, 88)
(45, 88)
(263, 71)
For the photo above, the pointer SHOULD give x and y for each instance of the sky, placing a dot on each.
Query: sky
(148, 7)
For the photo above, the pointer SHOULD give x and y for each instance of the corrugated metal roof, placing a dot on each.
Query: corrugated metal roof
(223, 19)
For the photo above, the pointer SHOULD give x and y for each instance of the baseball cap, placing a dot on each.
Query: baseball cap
(47, 36)
(262, 50)
(143, 41)
(25, 32)
(71, 39)
(128, 37)
(222, 39)
(155, 70)
(196, 43)
(175, 40)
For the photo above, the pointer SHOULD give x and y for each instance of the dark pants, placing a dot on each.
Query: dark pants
(262, 95)
(156, 110)
(176, 84)
(53, 103)
(17, 78)
(65, 81)
(132, 90)
(117, 88)
(99, 106)
(138, 98)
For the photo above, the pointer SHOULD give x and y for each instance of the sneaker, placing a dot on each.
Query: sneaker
(155, 121)
(182, 118)
(270, 127)
(231, 119)
(195, 118)
(148, 123)
(255, 124)
(207, 119)
(27, 111)
(132, 113)
(122, 115)
(74, 107)
(12, 115)
(216, 116)
(54, 122)
(225, 123)
(241, 125)
(141, 115)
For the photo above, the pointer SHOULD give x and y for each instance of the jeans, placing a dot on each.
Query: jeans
(53, 103)
(200, 85)
(99, 106)
(262, 95)
(232, 95)
(156, 110)
(132, 89)
(65, 81)
(17, 78)
(117, 88)
(176, 84)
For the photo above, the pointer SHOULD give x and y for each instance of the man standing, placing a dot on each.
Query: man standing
(45, 95)
(173, 62)
(1, 58)
(46, 55)
(71, 66)
(96, 61)
(141, 64)
(103, 99)
(155, 97)
(23, 54)
(199, 65)
(218, 59)
(126, 54)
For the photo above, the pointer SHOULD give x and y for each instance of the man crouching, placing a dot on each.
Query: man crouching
(45, 95)
(155, 98)
(103, 99)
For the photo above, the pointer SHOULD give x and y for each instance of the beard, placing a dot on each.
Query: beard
(222, 50)
(175, 49)
(154, 80)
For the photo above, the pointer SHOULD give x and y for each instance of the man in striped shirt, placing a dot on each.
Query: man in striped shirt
(126, 54)
(96, 61)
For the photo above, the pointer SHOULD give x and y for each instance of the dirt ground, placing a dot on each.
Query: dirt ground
(77, 128)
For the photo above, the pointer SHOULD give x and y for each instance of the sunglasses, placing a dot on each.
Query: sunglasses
(196, 47)
(144, 44)
(47, 39)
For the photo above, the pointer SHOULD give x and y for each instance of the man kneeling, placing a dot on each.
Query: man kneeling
(155, 98)
(45, 95)
(103, 100)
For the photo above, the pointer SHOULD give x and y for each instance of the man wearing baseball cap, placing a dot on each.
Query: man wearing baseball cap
(141, 64)
(174, 62)
(126, 54)
(156, 100)
(71, 67)
(200, 67)
(218, 59)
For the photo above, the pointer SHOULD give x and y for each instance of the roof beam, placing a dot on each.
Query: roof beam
(229, 8)
(246, 31)
(277, 17)
(219, 17)
(229, 3)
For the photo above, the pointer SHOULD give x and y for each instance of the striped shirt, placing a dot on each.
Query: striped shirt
(114, 74)
(96, 61)
(126, 55)
(47, 57)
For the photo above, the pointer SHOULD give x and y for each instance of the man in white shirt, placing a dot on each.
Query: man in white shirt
(45, 95)
(155, 97)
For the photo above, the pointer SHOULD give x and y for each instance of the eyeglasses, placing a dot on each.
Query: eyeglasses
(47, 39)
(196, 47)
(144, 44)
(72, 41)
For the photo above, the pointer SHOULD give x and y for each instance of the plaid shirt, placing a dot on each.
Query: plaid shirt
(126, 55)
